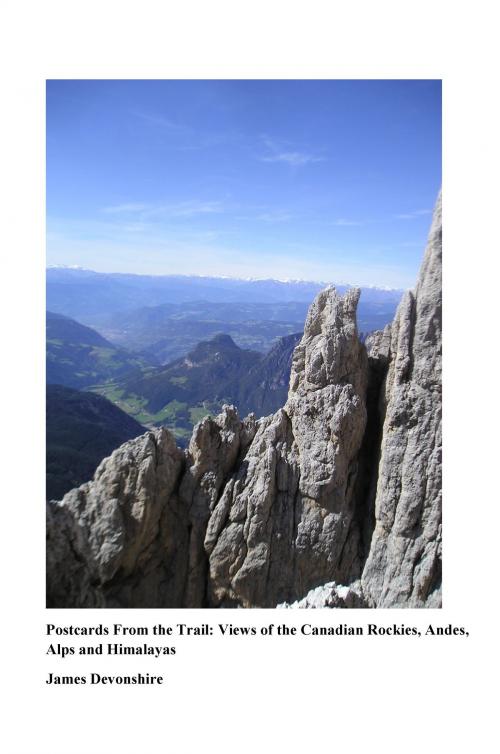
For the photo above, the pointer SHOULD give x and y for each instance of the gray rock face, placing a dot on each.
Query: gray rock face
(334, 500)
(121, 539)
(215, 447)
(378, 346)
(403, 568)
(282, 525)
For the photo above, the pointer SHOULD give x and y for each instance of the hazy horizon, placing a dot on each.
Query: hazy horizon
(220, 277)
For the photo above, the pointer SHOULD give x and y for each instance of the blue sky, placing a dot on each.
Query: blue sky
(318, 180)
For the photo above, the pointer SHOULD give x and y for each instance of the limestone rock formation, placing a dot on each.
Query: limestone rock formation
(334, 500)
(282, 525)
(215, 447)
(122, 538)
(403, 568)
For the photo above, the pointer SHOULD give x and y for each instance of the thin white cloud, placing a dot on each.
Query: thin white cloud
(295, 159)
(347, 223)
(272, 145)
(282, 151)
(134, 227)
(185, 209)
(119, 209)
(189, 208)
(161, 120)
(413, 215)
(275, 217)
(183, 137)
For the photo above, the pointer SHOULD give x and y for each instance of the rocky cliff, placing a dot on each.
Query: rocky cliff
(403, 568)
(333, 500)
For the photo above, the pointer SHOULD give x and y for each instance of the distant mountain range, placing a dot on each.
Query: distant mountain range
(82, 429)
(79, 293)
(163, 317)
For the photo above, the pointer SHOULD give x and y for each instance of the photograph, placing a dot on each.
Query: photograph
(243, 343)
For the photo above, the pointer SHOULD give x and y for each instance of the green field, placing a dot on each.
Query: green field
(176, 415)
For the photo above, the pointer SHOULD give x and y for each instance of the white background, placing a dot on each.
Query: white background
(260, 694)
